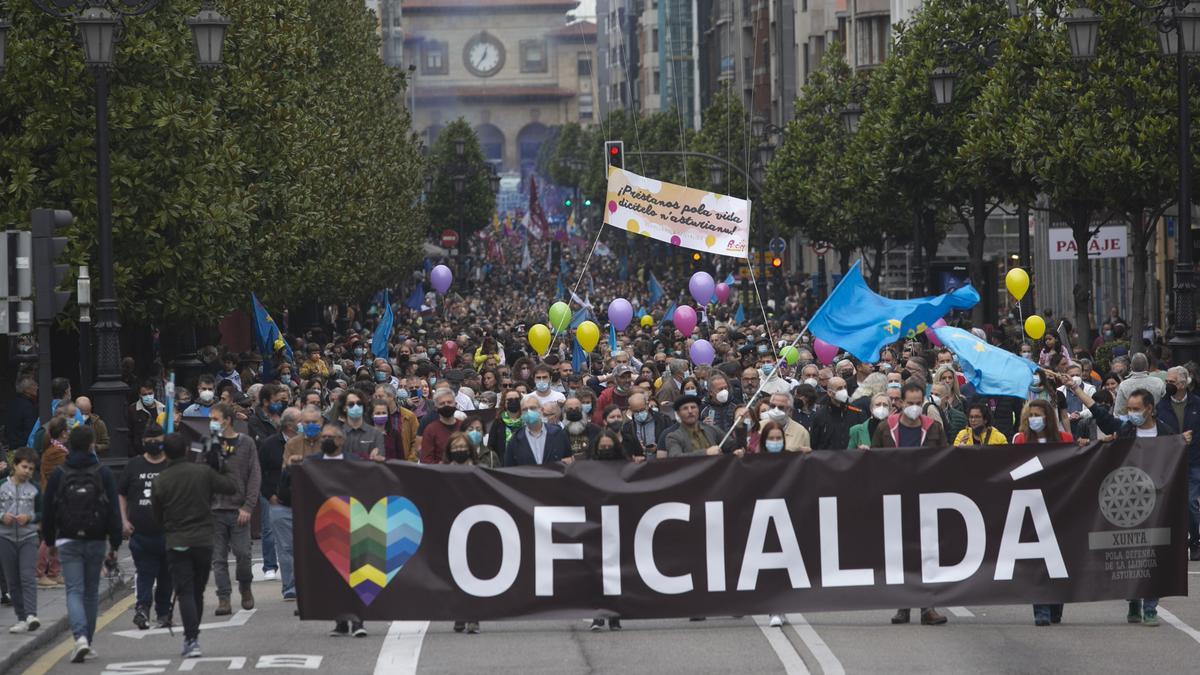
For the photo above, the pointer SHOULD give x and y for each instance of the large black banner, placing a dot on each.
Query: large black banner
(706, 536)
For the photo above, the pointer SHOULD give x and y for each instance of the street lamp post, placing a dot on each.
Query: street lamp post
(99, 22)
(1178, 22)
(83, 298)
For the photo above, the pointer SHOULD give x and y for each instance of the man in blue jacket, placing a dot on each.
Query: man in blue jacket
(1180, 410)
(536, 442)
(80, 512)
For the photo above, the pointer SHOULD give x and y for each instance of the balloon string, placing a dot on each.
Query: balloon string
(762, 385)
(761, 306)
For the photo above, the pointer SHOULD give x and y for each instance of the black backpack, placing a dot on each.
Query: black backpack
(82, 504)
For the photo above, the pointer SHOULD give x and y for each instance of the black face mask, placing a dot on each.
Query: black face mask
(1172, 389)
(329, 446)
(513, 405)
(606, 453)
(155, 449)
(446, 411)
(574, 415)
(615, 427)
(460, 456)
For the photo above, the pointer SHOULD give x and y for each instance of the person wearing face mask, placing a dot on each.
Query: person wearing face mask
(1180, 410)
(953, 419)
(362, 439)
(264, 417)
(536, 442)
(580, 431)
(719, 408)
(462, 452)
(434, 440)
(147, 542)
(1079, 418)
(845, 370)
(229, 371)
(861, 433)
(140, 414)
(542, 376)
(276, 518)
(641, 432)
(617, 394)
(979, 429)
(507, 422)
(231, 513)
(796, 436)
(206, 395)
(911, 429)
(831, 424)
(1139, 378)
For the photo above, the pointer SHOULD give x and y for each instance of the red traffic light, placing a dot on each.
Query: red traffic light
(612, 150)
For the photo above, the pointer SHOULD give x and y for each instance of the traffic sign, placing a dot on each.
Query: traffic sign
(820, 247)
(449, 239)
(778, 245)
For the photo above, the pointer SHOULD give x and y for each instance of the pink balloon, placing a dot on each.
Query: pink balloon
(449, 351)
(722, 292)
(825, 351)
(685, 319)
(933, 338)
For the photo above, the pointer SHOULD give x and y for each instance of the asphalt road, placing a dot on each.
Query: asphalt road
(1093, 638)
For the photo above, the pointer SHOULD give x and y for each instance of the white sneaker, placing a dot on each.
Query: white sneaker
(270, 575)
(32, 623)
(19, 627)
(82, 650)
(777, 621)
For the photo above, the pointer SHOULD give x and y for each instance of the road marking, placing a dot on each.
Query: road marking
(830, 665)
(53, 656)
(234, 621)
(401, 648)
(792, 663)
(1178, 623)
(961, 612)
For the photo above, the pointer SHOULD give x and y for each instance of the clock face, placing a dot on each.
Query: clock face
(484, 55)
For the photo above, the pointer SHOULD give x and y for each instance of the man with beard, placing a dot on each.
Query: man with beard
(581, 434)
(617, 394)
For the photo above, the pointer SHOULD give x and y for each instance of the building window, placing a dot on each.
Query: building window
(657, 82)
(434, 59)
(583, 64)
(804, 73)
(871, 37)
(533, 56)
(585, 106)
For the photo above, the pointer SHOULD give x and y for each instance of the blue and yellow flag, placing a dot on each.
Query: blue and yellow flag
(863, 322)
(654, 289)
(383, 331)
(991, 370)
(269, 337)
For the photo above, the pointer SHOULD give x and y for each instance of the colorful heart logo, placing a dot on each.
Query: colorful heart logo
(368, 546)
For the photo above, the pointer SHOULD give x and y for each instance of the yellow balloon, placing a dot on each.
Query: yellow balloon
(646, 321)
(588, 334)
(539, 338)
(1035, 327)
(1017, 281)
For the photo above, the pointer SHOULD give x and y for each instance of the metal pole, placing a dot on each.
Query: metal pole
(1024, 255)
(918, 252)
(1185, 344)
(108, 392)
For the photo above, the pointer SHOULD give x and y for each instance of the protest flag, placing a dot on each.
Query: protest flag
(655, 290)
(383, 332)
(991, 370)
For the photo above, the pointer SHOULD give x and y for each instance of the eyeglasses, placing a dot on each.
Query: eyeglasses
(506, 385)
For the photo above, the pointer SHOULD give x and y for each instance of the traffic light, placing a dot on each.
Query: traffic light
(776, 262)
(567, 202)
(16, 283)
(48, 300)
(614, 153)
(587, 202)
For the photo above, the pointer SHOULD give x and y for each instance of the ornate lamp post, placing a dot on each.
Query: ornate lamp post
(99, 23)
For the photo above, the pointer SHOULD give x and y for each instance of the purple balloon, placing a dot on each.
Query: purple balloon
(620, 313)
(441, 278)
(701, 287)
(702, 353)
(685, 319)
(722, 292)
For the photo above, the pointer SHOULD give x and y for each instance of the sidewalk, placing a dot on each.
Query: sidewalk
(52, 612)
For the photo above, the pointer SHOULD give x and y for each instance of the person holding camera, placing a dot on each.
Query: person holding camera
(232, 512)
(181, 498)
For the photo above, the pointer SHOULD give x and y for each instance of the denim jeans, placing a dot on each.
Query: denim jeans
(281, 527)
(1194, 504)
(230, 535)
(268, 536)
(81, 563)
(153, 578)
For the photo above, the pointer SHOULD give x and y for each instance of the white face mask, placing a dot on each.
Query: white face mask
(810, 381)
(881, 412)
(722, 396)
(937, 400)
(1036, 424)
(776, 415)
(206, 396)
(841, 395)
(912, 412)
(1077, 380)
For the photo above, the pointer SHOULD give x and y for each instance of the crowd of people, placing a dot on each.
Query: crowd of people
(457, 382)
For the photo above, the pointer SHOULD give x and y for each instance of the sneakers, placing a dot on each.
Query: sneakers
(19, 627)
(358, 629)
(1150, 618)
(1135, 612)
(5, 600)
(902, 616)
(32, 623)
(140, 619)
(50, 582)
(223, 608)
(340, 629)
(247, 597)
(777, 621)
(614, 624)
(82, 650)
(290, 596)
(472, 627)
(597, 624)
(459, 626)
(191, 649)
(270, 575)
(164, 622)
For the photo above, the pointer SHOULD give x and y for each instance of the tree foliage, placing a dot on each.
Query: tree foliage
(468, 211)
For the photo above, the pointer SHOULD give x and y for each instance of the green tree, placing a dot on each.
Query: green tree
(471, 209)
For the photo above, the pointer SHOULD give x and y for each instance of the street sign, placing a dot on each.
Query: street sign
(449, 239)
(820, 247)
(777, 245)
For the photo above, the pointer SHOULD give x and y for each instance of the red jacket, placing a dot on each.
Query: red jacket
(1063, 437)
